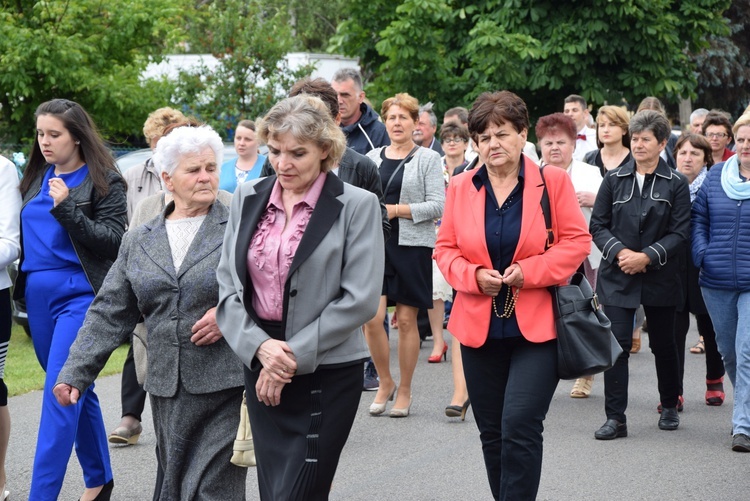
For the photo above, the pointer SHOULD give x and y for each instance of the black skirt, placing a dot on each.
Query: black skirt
(408, 275)
(298, 442)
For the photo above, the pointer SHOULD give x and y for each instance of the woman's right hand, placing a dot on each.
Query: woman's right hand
(489, 281)
(66, 394)
(277, 358)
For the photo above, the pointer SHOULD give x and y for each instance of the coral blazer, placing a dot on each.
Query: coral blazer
(461, 249)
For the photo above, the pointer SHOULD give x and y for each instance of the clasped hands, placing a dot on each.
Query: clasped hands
(490, 281)
(279, 366)
(631, 262)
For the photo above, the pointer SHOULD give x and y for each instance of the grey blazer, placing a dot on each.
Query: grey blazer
(329, 293)
(423, 189)
(143, 281)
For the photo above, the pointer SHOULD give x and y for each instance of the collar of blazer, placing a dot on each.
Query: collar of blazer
(531, 209)
(210, 236)
(254, 204)
(628, 169)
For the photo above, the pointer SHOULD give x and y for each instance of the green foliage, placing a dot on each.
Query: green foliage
(23, 372)
(90, 51)
(449, 52)
(723, 69)
(250, 39)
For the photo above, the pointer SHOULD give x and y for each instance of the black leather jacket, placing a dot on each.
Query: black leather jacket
(359, 171)
(655, 221)
(95, 226)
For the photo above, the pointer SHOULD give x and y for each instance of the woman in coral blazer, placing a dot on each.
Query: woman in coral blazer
(491, 249)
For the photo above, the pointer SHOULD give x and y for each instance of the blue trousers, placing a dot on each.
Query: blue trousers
(730, 313)
(57, 302)
(511, 383)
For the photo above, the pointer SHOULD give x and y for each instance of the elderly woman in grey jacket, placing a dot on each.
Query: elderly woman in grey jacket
(166, 272)
(414, 193)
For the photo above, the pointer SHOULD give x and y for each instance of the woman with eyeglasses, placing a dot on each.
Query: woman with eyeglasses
(718, 130)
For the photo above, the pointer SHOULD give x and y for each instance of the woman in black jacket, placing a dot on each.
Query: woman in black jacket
(73, 217)
(641, 222)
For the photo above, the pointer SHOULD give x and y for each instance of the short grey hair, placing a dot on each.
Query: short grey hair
(187, 140)
(427, 108)
(700, 112)
(345, 74)
(650, 120)
(308, 120)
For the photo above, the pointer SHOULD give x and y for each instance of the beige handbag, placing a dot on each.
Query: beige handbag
(244, 452)
(140, 355)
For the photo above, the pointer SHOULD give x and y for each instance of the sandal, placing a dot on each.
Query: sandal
(582, 387)
(698, 348)
(636, 346)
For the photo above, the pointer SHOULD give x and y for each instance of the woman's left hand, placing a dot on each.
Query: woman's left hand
(268, 389)
(513, 276)
(58, 190)
(205, 331)
(586, 198)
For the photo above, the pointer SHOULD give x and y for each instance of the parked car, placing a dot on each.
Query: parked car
(18, 308)
(137, 157)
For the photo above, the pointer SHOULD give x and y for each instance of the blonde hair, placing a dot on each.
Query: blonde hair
(308, 120)
(159, 120)
(404, 100)
(741, 122)
(619, 117)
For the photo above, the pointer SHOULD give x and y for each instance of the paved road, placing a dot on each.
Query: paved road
(430, 457)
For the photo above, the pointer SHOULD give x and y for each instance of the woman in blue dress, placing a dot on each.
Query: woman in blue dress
(73, 216)
(248, 164)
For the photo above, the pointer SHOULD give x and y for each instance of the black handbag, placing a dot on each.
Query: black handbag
(585, 343)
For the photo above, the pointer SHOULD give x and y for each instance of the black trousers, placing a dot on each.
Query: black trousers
(132, 396)
(714, 364)
(662, 343)
(511, 383)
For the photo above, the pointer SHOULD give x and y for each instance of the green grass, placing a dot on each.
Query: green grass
(23, 372)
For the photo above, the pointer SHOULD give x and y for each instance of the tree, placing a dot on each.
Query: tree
(90, 51)
(449, 52)
(724, 67)
(250, 39)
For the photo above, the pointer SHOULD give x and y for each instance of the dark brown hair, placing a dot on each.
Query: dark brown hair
(697, 141)
(497, 108)
(452, 129)
(91, 147)
(320, 88)
(715, 117)
(555, 122)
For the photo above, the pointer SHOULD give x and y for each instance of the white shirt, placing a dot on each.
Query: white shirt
(583, 147)
(10, 219)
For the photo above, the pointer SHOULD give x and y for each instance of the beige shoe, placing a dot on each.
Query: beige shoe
(582, 387)
(125, 436)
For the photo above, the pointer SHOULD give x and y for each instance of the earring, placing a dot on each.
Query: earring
(78, 142)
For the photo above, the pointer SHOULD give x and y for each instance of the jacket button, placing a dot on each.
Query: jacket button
(656, 194)
(643, 213)
(644, 196)
(293, 293)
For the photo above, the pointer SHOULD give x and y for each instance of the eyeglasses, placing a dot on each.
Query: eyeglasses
(456, 140)
(717, 135)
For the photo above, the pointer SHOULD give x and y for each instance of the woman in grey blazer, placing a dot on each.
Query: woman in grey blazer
(296, 285)
(165, 272)
(414, 193)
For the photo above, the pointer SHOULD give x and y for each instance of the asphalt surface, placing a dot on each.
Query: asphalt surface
(428, 456)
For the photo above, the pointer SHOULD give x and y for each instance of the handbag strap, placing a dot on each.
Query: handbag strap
(400, 165)
(547, 212)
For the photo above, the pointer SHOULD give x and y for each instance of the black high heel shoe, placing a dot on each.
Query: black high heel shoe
(458, 411)
(106, 493)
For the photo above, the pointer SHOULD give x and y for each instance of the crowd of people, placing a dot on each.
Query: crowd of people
(247, 276)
